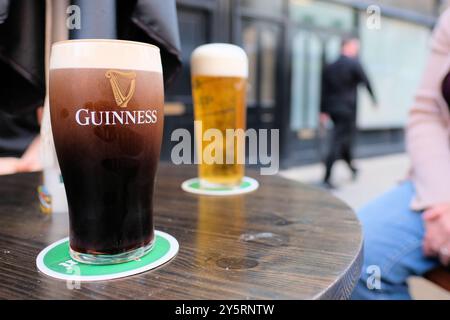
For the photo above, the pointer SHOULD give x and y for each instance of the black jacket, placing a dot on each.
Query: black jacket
(22, 44)
(22, 77)
(22, 54)
(340, 82)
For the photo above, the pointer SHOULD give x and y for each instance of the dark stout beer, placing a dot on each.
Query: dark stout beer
(107, 123)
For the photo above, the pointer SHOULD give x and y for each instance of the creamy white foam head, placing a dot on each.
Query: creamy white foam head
(219, 59)
(105, 54)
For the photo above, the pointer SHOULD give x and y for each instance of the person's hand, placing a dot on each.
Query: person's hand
(324, 118)
(8, 165)
(30, 160)
(436, 242)
(40, 114)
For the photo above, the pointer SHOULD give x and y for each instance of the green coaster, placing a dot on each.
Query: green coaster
(56, 262)
(193, 186)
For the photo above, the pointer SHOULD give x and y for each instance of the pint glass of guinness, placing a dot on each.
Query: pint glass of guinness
(219, 82)
(106, 105)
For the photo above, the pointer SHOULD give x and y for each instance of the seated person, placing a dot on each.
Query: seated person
(407, 230)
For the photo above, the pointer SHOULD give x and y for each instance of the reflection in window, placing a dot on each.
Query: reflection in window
(306, 80)
(271, 7)
(322, 14)
(250, 44)
(260, 41)
(394, 76)
(419, 6)
(298, 69)
(268, 67)
(315, 82)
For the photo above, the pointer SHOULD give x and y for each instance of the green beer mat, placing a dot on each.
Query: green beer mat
(55, 261)
(193, 186)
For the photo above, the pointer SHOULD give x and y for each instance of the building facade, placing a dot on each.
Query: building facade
(288, 42)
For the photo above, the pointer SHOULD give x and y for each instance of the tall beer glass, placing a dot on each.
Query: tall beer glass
(219, 81)
(106, 106)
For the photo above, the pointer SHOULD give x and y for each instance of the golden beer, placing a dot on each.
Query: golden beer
(219, 81)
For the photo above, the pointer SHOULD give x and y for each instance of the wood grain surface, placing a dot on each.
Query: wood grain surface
(283, 241)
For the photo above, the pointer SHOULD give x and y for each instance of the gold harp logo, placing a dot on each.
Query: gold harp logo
(119, 84)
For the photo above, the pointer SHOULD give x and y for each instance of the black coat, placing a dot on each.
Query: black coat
(22, 44)
(22, 54)
(340, 81)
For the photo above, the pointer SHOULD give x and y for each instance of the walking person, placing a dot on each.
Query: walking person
(340, 81)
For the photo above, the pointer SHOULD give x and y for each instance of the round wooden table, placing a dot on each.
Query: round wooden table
(283, 241)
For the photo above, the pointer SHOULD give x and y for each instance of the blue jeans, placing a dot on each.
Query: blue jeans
(393, 236)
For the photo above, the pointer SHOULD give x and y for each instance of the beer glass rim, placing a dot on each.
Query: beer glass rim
(74, 41)
(105, 53)
(219, 60)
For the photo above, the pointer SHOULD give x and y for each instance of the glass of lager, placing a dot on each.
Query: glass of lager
(219, 84)
(106, 106)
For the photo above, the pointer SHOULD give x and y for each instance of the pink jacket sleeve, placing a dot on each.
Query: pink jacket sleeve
(427, 134)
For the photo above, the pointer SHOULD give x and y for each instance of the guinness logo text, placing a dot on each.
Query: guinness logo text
(85, 117)
(123, 85)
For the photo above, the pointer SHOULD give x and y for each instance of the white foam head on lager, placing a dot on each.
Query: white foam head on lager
(219, 59)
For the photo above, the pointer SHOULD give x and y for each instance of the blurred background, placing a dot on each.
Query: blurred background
(288, 42)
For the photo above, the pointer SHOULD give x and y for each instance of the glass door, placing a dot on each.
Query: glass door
(261, 42)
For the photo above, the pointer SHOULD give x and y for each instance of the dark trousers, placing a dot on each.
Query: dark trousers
(341, 144)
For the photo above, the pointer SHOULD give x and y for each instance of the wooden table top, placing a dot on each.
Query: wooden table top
(283, 241)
